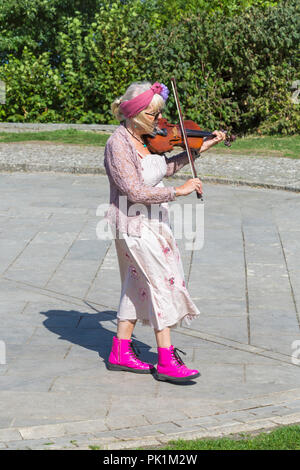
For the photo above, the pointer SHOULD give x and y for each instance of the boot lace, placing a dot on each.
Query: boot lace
(177, 357)
(134, 349)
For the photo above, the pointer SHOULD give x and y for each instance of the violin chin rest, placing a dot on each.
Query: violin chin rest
(163, 132)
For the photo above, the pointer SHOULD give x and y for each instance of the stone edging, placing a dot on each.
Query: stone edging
(37, 127)
(234, 417)
(65, 433)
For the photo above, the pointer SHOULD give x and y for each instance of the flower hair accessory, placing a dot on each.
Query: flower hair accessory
(165, 92)
(134, 106)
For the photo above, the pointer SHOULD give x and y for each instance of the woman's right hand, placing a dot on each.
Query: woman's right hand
(188, 187)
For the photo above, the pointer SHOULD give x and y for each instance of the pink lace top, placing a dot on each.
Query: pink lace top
(124, 171)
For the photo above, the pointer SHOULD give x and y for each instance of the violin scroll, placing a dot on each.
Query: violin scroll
(229, 138)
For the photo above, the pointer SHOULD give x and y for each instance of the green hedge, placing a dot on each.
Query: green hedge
(232, 71)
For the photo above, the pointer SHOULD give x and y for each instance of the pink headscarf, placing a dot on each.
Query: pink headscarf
(134, 106)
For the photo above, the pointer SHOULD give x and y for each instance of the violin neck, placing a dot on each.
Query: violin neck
(195, 133)
(190, 133)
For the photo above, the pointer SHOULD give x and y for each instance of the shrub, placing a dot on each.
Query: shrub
(233, 70)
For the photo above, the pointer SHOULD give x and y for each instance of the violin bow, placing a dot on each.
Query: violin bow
(183, 131)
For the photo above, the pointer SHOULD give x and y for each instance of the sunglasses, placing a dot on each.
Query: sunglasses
(155, 115)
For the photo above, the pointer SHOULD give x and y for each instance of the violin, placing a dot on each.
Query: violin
(167, 135)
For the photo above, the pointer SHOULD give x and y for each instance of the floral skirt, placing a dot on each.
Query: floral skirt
(152, 276)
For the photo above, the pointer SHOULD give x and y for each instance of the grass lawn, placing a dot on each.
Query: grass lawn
(272, 146)
(283, 438)
(69, 136)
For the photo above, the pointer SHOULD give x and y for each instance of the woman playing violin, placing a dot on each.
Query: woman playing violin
(153, 283)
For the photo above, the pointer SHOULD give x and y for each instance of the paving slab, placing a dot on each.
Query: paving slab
(60, 288)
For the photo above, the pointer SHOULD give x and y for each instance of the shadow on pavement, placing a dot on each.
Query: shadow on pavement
(88, 331)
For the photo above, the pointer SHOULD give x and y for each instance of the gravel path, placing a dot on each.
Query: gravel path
(273, 172)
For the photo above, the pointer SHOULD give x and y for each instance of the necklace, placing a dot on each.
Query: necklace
(141, 142)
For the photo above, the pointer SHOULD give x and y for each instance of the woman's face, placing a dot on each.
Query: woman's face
(153, 115)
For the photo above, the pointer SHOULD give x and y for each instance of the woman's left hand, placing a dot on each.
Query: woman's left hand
(220, 136)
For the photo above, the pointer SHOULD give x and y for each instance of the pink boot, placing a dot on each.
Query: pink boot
(171, 367)
(123, 356)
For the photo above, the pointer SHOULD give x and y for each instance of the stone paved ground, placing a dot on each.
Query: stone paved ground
(60, 288)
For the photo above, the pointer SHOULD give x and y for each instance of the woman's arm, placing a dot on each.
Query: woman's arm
(178, 161)
(211, 142)
(122, 170)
